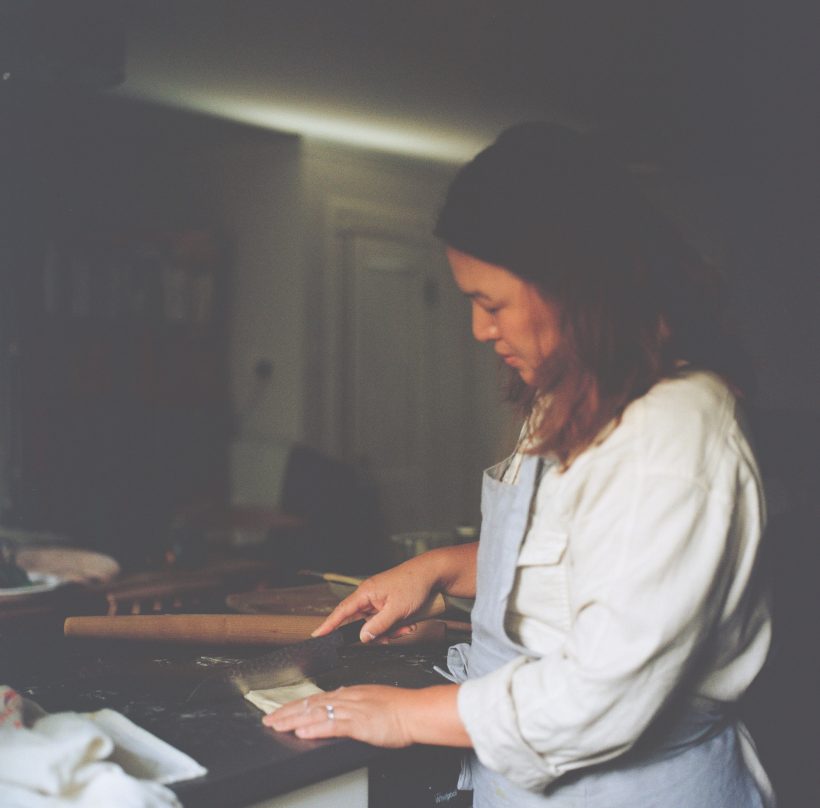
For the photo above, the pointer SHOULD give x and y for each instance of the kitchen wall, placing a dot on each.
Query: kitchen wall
(251, 183)
(278, 198)
(274, 196)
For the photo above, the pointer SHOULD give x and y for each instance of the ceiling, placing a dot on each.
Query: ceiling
(670, 81)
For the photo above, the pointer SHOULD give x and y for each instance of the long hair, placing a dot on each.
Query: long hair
(636, 301)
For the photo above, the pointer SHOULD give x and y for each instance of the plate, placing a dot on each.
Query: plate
(40, 582)
(67, 564)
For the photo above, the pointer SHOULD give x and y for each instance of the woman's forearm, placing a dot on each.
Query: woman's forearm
(455, 568)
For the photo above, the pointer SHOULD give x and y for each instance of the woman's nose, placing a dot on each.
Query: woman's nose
(484, 328)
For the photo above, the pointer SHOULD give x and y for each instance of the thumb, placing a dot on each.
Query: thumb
(379, 624)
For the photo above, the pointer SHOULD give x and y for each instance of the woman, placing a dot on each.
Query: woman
(618, 612)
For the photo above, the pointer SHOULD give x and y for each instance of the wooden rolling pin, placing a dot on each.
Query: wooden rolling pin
(221, 629)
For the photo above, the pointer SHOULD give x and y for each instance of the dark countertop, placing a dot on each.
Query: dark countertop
(149, 683)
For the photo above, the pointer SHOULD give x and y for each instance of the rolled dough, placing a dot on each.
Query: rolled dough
(273, 698)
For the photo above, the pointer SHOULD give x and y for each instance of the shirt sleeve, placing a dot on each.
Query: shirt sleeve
(652, 560)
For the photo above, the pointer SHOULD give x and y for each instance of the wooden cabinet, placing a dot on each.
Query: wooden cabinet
(121, 397)
(114, 283)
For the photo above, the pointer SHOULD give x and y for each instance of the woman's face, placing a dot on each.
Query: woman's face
(509, 312)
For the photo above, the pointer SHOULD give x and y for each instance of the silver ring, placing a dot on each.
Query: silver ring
(331, 715)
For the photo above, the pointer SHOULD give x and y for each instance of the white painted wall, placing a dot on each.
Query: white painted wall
(254, 186)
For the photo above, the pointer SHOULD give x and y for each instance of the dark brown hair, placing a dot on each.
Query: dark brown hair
(636, 300)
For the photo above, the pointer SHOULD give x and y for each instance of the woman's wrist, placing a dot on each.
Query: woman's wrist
(430, 716)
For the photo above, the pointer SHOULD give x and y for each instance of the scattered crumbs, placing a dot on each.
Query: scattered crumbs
(148, 708)
(205, 711)
(100, 695)
(205, 661)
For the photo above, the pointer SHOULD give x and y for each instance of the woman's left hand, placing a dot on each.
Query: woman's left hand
(370, 713)
(376, 714)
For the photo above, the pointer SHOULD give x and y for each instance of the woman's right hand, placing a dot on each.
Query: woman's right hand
(386, 599)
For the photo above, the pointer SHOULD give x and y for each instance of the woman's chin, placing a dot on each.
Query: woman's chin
(527, 376)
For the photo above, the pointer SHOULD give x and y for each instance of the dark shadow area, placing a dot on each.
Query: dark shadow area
(342, 523)
(783, 705)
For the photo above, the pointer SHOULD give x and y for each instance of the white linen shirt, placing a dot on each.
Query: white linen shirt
(634, 581)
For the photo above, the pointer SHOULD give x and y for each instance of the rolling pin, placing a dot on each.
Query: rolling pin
(222, 629)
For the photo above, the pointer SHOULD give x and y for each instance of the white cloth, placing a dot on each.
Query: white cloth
(84, 760)
(634, 580)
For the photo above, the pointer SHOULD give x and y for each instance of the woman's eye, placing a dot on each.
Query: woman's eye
(488, 308)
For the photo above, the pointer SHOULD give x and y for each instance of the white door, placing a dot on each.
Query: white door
(408, 395)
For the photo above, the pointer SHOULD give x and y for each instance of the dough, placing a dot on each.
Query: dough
(273, 698)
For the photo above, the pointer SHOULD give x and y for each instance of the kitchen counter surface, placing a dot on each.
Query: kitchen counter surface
(246, 762)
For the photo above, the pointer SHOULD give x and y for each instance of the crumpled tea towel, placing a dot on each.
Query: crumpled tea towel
(86, 760)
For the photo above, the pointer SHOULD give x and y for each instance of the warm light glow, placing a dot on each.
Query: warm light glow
(324, 125)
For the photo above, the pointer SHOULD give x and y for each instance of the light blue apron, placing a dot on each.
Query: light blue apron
(693, 757)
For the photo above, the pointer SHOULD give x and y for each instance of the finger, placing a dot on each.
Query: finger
(403, 630)
(326, 729)
(381, 623)
(288, 712)
(329, 726)
(421, 632)
(296, 715)
(354, 606)
(397, 634)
